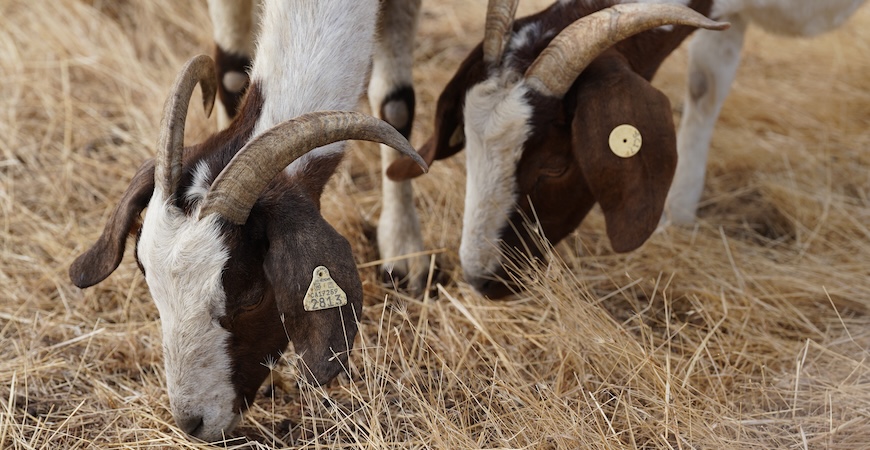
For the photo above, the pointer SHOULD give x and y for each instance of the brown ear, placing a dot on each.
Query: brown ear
(103, 257)
(647, 50)
(448, 138)
(632, 190)
(299, 241)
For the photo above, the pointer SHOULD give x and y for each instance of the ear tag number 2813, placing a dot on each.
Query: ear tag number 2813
(323, 292)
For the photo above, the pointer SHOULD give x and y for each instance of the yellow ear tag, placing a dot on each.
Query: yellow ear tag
(625, 141)
(323, 292)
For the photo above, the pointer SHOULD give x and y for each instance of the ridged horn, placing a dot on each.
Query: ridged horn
(234, 192)
(499, 24)
(569, 53)
(199, 70)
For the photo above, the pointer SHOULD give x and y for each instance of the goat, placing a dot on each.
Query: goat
(235, 252)
(391, 96)
(535, 105)
(713, 61)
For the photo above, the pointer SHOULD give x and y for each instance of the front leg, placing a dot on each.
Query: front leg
(234, 25)
(713, 60)
(391, 96)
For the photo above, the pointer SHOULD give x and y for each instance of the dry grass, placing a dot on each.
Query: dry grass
(750, 330)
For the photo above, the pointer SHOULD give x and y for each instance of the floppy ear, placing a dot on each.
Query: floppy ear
(105, 255)
(448, 137)
(299, 241)
(631, 190)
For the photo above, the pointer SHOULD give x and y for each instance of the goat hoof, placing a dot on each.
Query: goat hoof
(414, 285)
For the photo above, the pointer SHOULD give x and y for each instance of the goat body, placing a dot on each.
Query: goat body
(391, 96)
(713, 62)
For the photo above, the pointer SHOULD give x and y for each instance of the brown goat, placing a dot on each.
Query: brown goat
(535, 106)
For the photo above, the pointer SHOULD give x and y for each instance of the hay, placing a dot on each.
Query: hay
(749, 330)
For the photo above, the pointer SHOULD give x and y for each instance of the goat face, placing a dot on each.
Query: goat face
(230, 296)
(229, 246)
(539, 149)
(229, 299)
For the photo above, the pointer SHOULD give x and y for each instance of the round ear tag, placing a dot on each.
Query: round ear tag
(625, 141)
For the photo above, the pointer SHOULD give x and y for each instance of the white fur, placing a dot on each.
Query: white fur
(200, 184)
(234, 25)
(713, 61)
(183, 260)
(496, 127)
(305, 65)
(791, 17)
(398, 227)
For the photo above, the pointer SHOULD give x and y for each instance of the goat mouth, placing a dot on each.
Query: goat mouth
(497, 290)
(495, 286)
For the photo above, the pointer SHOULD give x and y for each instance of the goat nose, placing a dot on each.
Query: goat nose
(190, 425)
(488, 286)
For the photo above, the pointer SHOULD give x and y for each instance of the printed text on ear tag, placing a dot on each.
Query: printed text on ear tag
(323, 292)
(625, 141)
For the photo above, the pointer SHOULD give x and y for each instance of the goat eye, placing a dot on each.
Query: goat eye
(553, 171)
(252, 304)
(225, 322)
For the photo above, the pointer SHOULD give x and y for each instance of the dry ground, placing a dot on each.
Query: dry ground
(749, 330)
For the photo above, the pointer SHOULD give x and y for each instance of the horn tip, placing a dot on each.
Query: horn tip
(419, 160)
(208, 105)
(719, 26)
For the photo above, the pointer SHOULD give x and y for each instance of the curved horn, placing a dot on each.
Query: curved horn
(568, 54)
(234, 192)
(499, 23)
(199, 70)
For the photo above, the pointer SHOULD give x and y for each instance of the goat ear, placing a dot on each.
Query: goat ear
(299, 241)
(105, 255)
(447, 140)
(448, 137)
(647, 50)
(315, 170)
(631, 190)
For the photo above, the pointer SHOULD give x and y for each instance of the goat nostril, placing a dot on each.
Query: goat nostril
(190, 425)
(485, 285)
(481, 284)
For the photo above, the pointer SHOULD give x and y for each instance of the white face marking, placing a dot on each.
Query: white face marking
(201, 182)
(183, 260)
(496, 127)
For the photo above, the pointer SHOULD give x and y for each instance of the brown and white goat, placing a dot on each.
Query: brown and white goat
(391, 96)
(535, 106)
(233, 236)
(713, 62)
